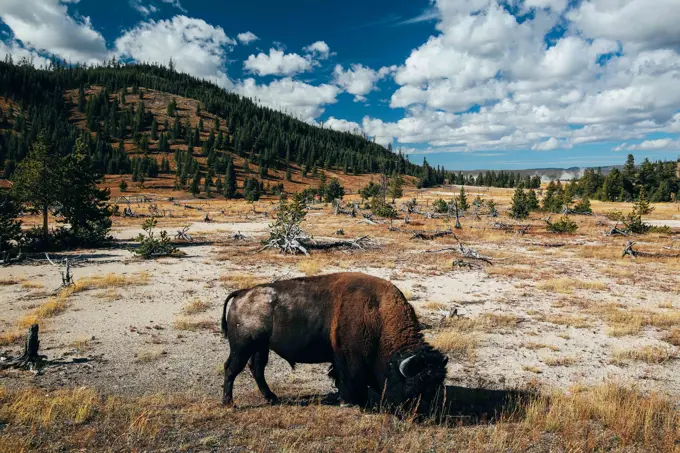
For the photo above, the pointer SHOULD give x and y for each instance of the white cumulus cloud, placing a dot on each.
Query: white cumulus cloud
(319, 49)
(338, 124)
(359, 80)
(247, 37)
(277, 63)
(304, 101)
(47, 26)
(195, 46)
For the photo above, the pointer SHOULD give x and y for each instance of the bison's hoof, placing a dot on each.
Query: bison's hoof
(227, 403)
(273, 400)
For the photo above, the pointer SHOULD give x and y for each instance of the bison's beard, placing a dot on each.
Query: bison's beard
(418, 392)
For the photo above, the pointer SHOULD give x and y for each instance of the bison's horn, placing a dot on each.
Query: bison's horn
(404, 364)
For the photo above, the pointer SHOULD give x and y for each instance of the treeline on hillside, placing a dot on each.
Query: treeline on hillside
(266, 137)
(430, 177)
(658, 181)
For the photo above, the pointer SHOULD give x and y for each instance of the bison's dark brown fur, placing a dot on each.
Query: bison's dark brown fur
(362, 325)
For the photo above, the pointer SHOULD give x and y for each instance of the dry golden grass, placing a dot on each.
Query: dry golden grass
(580, 322)
(193, 325)
(108, 295)
(82, 344)
(647, 354)
(672, 337)
(603, 418)
(12, 337)
(534, 346)
(567, 285)
(195, 306)
(494, 321)
(623, 330)
(310, 265)
(31, 285)
(435, 306)
(666, 304)
(9, 281)
(242, 281)
(456, 343)
(522, 271)
(532, 369)
(149, 356)
(559, 361)
(108, 281)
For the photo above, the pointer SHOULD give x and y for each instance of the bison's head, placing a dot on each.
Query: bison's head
(415, 377)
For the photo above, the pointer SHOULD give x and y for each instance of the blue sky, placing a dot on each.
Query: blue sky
(469, 84)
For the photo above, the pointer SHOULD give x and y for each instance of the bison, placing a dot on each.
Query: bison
(362, 325)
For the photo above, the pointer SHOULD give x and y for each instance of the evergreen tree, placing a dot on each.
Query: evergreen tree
(230, 181)
(251, 189)
(463, 204)
(37, 181)
(83, 205)
(154, 130)
(532, 200)
(520, 207)
(172, 107)
(333, 190)
(396, 186)
(195, 188)
(10, 227)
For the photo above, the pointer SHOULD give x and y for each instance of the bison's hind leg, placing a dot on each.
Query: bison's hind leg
(258, 362)
(237, 361)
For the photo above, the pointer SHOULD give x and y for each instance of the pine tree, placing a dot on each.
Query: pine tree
(463, 204)
(230, 181)
(83, 205)
(532, 200)
(154, 130)
(37, 181)
(333, 190)
(172, 108)
(396, 187)
(519, 208)
(10, 227)
(195, 188)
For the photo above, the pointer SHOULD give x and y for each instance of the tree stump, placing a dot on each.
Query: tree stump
(31, 359)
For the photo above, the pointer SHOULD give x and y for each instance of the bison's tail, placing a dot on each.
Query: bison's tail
(224, 311)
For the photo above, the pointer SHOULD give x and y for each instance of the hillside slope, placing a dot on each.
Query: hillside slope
(134, 129)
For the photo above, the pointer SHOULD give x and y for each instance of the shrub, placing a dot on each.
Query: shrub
(440, 206)
(152, 246)
(583, 207)
(333, 190)
(564, 225)
(382, 209)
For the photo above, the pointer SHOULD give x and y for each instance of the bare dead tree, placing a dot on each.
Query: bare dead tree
(66, 277)
(183, 235)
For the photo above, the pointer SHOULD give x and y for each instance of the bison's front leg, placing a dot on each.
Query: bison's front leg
(232, 367)
(351, 382)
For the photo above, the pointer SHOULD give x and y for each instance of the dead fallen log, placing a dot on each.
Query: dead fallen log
(630, 251)
(465, 252)
(361, 243)
(615, 231)
(431, 236)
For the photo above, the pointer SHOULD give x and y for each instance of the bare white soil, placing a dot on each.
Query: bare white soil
(134, 346)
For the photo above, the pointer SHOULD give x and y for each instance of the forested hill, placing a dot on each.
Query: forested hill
(113, 102)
